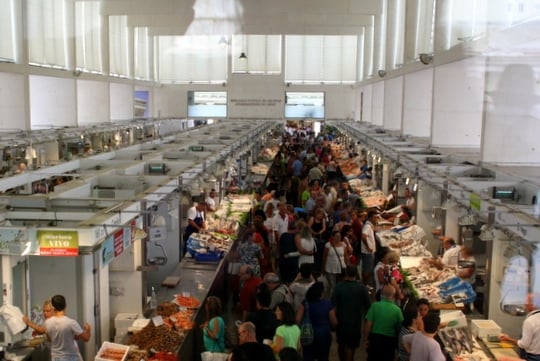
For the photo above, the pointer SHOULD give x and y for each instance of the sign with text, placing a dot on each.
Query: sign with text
(255, 102)
(58, 243)
(118, 242)
(157, 233)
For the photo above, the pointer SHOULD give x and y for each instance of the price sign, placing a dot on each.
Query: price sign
(157, 320)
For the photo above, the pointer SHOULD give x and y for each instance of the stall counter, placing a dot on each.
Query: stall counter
(198, 280)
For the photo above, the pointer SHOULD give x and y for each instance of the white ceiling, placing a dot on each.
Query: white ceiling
(178, 17)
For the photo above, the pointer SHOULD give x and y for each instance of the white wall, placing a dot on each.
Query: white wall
(12, 101)
(417, 100)
(254, 97)
(52, 102)
(367, 103)
(377, 104)
(121, 101)
(92, 102)
(249, 95)
(512, 117)
(458, 97)
(393, 103)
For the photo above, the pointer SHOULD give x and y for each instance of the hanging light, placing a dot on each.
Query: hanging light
(243, 53)
(223, 42)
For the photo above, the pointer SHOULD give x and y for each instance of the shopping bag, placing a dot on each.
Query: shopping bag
(306, 328)
(234, 268)
(214, 356)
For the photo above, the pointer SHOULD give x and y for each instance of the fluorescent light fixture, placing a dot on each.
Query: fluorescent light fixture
(223, 41)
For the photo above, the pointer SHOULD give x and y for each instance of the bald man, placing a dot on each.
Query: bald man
(383, 321)
(248, 348)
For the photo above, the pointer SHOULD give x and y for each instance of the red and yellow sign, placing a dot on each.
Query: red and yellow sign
(58, 243)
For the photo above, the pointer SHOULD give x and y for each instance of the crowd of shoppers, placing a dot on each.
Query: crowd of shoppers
(312, 251)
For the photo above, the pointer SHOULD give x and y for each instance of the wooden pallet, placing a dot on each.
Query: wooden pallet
(171, 281)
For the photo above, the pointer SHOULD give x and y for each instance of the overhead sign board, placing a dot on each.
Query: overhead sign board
(58, 243)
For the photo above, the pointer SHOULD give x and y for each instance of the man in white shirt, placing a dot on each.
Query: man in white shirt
(530, 338)
(196, 222)
(450, 256)
(211, 203)
(368, 247)
(280, 222)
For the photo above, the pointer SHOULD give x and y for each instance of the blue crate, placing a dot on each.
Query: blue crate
(208, 257)
(450, 283)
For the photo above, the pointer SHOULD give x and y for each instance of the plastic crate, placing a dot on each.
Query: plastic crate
(460, 288)
(112, 352)
(453, 319)
(208, 257)
(483, 328)
(450, 283)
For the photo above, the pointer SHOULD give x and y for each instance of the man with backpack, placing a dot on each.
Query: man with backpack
(279, 292)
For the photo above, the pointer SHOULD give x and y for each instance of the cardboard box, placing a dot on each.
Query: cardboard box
(483, 328)
(124, 320)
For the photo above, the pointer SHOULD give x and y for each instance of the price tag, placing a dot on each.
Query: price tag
(186, 294)
(157, 320)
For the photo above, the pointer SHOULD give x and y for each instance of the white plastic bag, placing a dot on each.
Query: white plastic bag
(13, 318)
(214, 356)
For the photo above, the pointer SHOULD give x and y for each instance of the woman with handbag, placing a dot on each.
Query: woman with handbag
(322, 317)
(335, 260)
(214, 326)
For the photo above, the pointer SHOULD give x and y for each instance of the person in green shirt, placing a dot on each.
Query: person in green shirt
(383, 322)
(288, 334)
